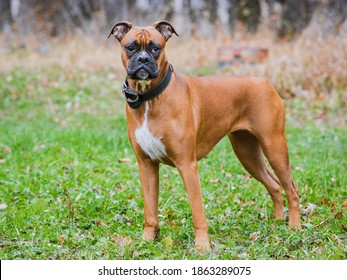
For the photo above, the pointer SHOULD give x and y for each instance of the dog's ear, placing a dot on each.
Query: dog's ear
(165, 28)
(120, 29)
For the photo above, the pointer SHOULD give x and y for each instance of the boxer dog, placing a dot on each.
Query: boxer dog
(176, 120)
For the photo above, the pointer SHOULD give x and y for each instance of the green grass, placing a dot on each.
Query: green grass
(69, 194)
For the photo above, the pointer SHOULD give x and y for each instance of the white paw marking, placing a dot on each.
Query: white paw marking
(150, 145)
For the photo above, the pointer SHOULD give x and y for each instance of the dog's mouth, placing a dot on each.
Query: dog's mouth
(142, 74)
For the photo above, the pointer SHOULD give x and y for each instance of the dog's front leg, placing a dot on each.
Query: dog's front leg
(149, 177)
(190, 175)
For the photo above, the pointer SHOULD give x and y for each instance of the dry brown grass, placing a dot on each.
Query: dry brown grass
(310, 67)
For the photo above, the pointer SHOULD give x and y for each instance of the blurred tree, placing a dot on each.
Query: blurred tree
(212, 7)
(246, 11)
(295, 17)
(5, 15)
(340, 6)
(250, 13)
(54, 18)
(233, 10)
(169, 14)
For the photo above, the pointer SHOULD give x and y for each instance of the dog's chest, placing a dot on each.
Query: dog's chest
(150, 145)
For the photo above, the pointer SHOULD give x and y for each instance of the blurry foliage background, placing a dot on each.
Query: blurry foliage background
(57, 18)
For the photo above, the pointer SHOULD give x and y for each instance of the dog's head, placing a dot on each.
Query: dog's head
(143, 54)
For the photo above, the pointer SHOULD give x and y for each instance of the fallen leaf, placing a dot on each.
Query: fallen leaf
(318, 250)
(123, 240)
(61, 239)
(125, 160)
(214, 181)
(344, 228)
(254, 236)
(338, 216)
(309, 208)
(325, 201)
(173, 223)
(3, 206)
(344, 205)
(243, 256)
(288, 256)
(38, 146)
(100, 223)
(307, 225)
(117, 218)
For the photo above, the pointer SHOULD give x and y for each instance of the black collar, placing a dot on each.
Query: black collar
(135, 99)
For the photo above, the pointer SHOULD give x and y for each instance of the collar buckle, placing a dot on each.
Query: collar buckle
(131, 96)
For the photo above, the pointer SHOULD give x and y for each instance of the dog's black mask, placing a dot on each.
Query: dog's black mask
(142, 59)
(142, 66)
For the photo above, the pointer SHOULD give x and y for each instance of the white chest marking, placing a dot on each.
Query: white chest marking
(152, 146)
(144, 84)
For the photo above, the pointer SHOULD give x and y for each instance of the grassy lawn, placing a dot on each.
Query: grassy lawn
(69, 186)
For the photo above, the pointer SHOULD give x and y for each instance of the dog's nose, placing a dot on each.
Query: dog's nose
(143, 58)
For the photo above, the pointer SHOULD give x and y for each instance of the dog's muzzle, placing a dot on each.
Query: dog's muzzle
(143, 66)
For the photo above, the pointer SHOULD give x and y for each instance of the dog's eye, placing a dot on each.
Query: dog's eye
(130, 48)
(155, 50)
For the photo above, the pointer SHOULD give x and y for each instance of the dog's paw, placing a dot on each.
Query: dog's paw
(294, 220)
(202, 246)
(202, 241)
(150, 233)
(295, 226)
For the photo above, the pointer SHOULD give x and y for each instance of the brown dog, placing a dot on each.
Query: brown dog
(176, 120)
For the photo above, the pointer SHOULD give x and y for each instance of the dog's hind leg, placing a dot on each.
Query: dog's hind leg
(248, 151)
(276, 151)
